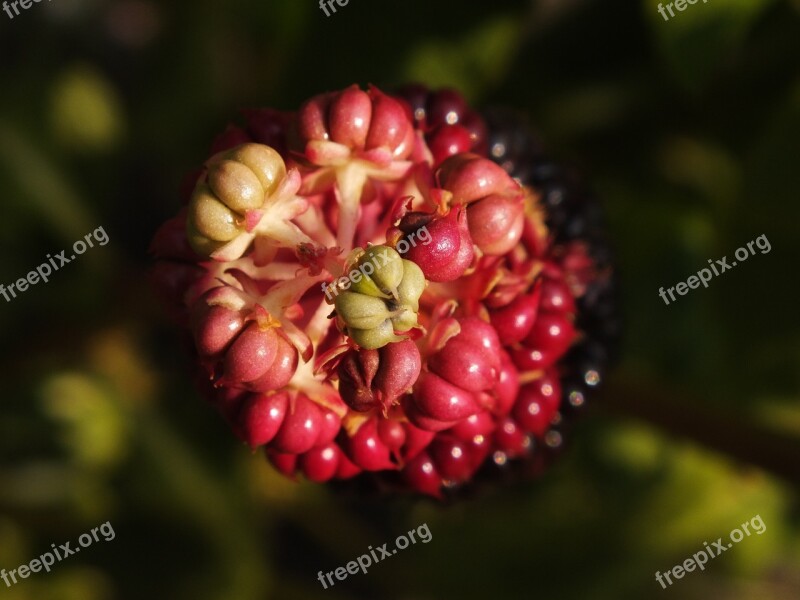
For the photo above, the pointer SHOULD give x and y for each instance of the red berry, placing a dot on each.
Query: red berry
(441, 400)
(445, 107)
(416, 440)
(261, 417)
(496, 223)
(421, 475)
(448, 140)
(392, 434)
(301, 427)
(510, 438)
(400, 364)
(507, 387)
(548, 340)
(537, 404)
(514, 321)
(367, 450)
(346, 468)
(556, 296)
(216, 329)
(321, 463)
(422, 420)
(281, 371)
(452, 458)
(465, 364)
(478, 424)
(471, 177)
(251, 354)
(284, 463)
(484, 335)
(330, 425)
(449, 253)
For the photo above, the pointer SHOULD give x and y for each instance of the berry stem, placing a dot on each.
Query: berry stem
(350, 182)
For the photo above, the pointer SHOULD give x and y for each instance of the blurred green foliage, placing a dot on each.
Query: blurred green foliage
(688, 130)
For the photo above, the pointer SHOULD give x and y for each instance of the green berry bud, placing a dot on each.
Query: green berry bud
(363, 284)
(200, 243)
(377, 337)
(359, 311)
(405, 320)
(210, 217)
(411, 287)
(382, 269)
(263, 161)
(236, 185)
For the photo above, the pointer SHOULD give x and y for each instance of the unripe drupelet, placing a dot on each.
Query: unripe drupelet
(237, 181)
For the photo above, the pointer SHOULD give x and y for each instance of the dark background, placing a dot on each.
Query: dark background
(688, 129)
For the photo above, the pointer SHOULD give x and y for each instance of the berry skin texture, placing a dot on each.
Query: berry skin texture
(389, 288)
(261, 417)
(451, 251)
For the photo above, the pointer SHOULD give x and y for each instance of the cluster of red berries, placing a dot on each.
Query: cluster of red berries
(390, 288)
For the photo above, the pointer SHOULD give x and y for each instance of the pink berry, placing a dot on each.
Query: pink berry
(510, 438)
(451, 457)
(441, 400)
(478, 424)
(507, 388)
(367, 450)
(421, 475)
(537, 404)
(392, 434)
(514, 321)
(449, 253)
(420, 419)
(464, 363)
(484, 335)
(548, 340)
(399, 368)
(251, 354)
(284, 463)
(281, 371)
(556, 296)
(261, 417)
(446, 107)
(496, 223)
(215, 329)
(301, 427)
(330, 425)
(448, 140)
(416, 440)
(471, 177)
(321, 463)
(346, 468)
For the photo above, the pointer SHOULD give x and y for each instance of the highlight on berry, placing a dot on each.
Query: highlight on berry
(329, 337)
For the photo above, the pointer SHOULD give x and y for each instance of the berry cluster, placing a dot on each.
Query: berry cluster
(326, 333)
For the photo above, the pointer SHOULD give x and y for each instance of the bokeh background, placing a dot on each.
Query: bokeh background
(688, 130)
